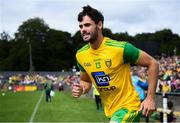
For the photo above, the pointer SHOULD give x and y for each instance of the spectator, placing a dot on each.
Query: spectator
(60, 86)
(141, 86)
(166, 88)
(170, 116)
(48, 88)
(97, 99)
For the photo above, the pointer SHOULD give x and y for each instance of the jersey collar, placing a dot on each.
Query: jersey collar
(101, 45)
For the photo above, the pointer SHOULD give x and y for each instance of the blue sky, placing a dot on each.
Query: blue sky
(132, 16)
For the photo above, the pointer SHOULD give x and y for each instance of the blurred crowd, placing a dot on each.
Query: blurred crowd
(169, 76)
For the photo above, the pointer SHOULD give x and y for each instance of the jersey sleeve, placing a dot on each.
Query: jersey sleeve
(80, 67)
(131, 53)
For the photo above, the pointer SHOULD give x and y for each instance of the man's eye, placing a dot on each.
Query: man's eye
(80, 26)
(87, 24)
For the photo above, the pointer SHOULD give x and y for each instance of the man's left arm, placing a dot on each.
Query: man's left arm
(148, 105)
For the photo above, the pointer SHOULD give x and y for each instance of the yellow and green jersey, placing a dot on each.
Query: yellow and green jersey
(109, 70)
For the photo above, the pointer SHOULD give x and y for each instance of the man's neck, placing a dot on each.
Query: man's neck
(96, 44)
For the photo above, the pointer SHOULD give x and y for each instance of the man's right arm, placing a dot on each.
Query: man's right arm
(83, 87)
(85, 82)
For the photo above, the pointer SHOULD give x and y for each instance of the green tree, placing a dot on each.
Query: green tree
(5, 46)
(107, 32)
(123, 37)
(29, 41)
(58, 50)
(169, 41)
(77, 41)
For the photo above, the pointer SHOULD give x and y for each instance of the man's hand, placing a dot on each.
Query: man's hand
(147, 106)
(77, 90)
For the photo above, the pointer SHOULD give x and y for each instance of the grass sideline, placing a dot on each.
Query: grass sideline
(19, 106)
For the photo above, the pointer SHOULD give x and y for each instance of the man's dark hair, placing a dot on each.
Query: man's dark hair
(94, 14)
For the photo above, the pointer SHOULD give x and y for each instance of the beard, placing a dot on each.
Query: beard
(91, 36)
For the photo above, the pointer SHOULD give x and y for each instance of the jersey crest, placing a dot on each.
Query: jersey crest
(108, 63)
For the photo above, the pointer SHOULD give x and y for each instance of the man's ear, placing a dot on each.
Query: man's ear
(100, 25)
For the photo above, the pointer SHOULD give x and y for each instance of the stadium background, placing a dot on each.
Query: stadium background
(20, 82)
(38, 50)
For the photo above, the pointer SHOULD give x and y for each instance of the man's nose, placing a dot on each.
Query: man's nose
(83, 30)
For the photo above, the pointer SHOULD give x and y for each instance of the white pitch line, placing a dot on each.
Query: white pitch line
(35, 109)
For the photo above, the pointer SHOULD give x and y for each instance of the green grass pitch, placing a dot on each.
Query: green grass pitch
(19, 107)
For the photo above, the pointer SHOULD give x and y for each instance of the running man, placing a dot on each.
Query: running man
(105, 63)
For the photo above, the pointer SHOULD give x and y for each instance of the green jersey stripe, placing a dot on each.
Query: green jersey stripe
(131, 116)
(115, 43)
(86, 47)
(80, 67)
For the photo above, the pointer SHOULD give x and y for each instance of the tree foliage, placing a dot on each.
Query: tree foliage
(54, 50)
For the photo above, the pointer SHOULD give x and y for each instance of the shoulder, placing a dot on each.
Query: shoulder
(84, 48)
(115, 43)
